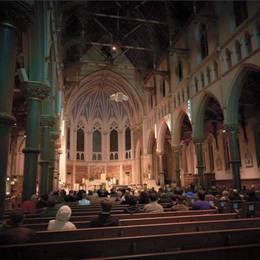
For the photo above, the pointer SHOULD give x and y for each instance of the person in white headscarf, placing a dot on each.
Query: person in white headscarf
(61, 222)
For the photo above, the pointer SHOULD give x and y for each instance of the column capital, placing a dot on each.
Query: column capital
(231, 128)
(7, 119)
(36, 89)
(47, 120)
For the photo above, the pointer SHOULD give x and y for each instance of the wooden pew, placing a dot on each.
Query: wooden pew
(150, 229)
(241, 252)
(131, 245)
(151, 220)
(88, 217)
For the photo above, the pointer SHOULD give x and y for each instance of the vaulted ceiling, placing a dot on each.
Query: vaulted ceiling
(141, 30)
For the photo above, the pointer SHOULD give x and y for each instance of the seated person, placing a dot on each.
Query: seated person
(13, 232)
(180, 204)
(104, 219)
(61, 222)
(201, 203)
(29, 206)
(84, 201)
(153, 206)
(132, 208)
(50, 210)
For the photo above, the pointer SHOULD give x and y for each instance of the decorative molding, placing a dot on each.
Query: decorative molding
(36, 89)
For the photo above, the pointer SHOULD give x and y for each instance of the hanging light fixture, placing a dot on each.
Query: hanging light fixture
(119, 97)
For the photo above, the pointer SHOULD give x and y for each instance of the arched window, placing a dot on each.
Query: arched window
(113, 145)
(127, 139)
(238, 50)
(127, 143)
(240, 11)
(96, 144)
(180, 70)
(248, 42)
(228, 59)
(203, 41)
(80, 140)
(80, 144)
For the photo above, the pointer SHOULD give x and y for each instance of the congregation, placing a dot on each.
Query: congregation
(57, 204)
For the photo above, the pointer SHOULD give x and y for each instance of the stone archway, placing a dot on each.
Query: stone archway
(243, 124)
(208, 120)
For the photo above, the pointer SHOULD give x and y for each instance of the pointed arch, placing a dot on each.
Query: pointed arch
(161, 135)
(198, 121)
(93, 94)
(176, 135)
(236, 87)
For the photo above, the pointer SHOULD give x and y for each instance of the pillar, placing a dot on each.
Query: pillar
(232, 131)
(8, 48)
(47, 122)
(35, 92)
(176, 159)
(161, 172)
(200, 161)
(52, 167)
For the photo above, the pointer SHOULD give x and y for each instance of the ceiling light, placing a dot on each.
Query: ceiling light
(119, 97)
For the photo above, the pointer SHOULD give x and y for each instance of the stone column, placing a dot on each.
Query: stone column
(200, 161)
(35, 92)
(176, 159)
(232, 131)
(161, 172)
(47, 121)
(53, 137)
(8, 48)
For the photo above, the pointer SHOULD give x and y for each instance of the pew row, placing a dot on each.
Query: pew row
(152, 220)
(130, 245)
(241, 252)
(88, 217)
(151, 229)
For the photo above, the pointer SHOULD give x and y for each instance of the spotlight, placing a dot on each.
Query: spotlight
(113, 47)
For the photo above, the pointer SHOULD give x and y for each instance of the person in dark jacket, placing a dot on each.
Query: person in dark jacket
(104, 219)
(14, 232)
(132, 208)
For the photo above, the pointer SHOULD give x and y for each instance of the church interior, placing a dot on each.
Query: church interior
(141, 94)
